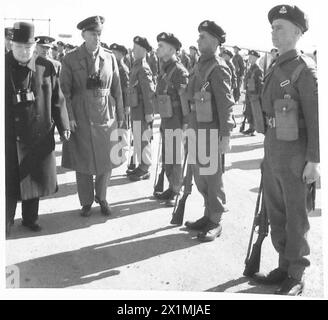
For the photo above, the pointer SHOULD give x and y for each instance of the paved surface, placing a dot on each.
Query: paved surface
(137, 248)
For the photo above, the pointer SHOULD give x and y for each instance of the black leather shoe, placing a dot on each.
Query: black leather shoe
(139, 174)
(249, 132)
(166, 195)
(131, 169)
(274, 277)
(291, 287)
(198, 224)
(86, 211)
(210, 232)
(171, 202)
(104, 207)
(32, 226)
(8, 229)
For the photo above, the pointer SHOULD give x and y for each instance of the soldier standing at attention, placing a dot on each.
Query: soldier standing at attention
(140, 99)
(239, 64)
(253, 85)
(209, 90)
(227, 56)
(174, 111)
(91, 84)
(34, 104)
(291, 148)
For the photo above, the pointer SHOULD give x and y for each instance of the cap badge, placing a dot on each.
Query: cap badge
(137, 38)
(283, 10)
(97, 20)
(46, 41)
(205, 24)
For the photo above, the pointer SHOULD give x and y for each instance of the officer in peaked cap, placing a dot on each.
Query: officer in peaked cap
(209, 91)
(8, 39)
(44, 45)
(31, 112)
(291, 162)
(240, 67)
(91, 85)
(253, 85)
(140, 99)
(172, 82)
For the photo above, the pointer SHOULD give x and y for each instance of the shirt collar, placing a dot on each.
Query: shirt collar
(289, 55)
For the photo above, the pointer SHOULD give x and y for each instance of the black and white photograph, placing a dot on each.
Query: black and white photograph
(161, 150)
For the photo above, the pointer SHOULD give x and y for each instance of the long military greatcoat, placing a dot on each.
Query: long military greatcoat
(94, 110)
(29, 128)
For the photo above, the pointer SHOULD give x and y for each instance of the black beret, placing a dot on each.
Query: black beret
(44, 41)
(54, 47)
(170, 39)
(290, 13)
(91, 23)
(9, 33)
(193, 48)
(23, 32)
(228, 53)
(142, 42)
(212, 28)
(120, 48)
(254, 53)
(61, 43)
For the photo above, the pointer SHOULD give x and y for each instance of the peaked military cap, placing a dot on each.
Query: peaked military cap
(9, 33)
(170, 39)
(94, 23)
(253, 53)
(44, 41)
(236, 47)
(61, 43)
(290, 13)
(142, 42)
(120, 48)
(212, 28)
(23, 32)
(228, 53)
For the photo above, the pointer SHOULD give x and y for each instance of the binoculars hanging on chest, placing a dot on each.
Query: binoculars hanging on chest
(94, 82)
(22, 96)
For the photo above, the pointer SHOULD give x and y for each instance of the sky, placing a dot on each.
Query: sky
(245, 22)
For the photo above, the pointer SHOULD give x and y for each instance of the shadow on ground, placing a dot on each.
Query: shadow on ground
(64, 221)
(99, 261)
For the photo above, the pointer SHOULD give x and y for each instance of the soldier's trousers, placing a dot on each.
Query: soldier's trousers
(285, 197)
(173, 169)
(236, 91)
(141, 144)
(30, 209)
(88, 187)
(211, 188)
(249, 113)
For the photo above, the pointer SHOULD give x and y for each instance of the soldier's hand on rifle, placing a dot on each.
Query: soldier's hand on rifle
(224, 144)
(311, 172)
(65, 135)
(72, 125)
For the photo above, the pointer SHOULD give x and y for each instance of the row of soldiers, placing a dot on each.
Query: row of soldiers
(94, 92)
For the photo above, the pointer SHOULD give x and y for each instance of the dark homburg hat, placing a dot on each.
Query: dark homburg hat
(228, 53)
(120, 48)
(212, 28)
(142, 42)
(253, 53)
(23, 32)
(170, 39)
(94, 23)
(44, 41)
(290, 13)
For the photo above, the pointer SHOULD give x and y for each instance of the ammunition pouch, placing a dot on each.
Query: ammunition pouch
(132, 96)
(287, 119)
(203, 103)
(164, 104)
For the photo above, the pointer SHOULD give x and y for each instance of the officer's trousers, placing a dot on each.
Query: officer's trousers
(249, 112)
(86, 185)
(236, 91)
(141, 144)
(285, 197)
(30, 209)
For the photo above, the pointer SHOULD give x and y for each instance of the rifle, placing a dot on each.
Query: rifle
(159, 182)
(253, 257)
(223, 162)
(179, 209)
